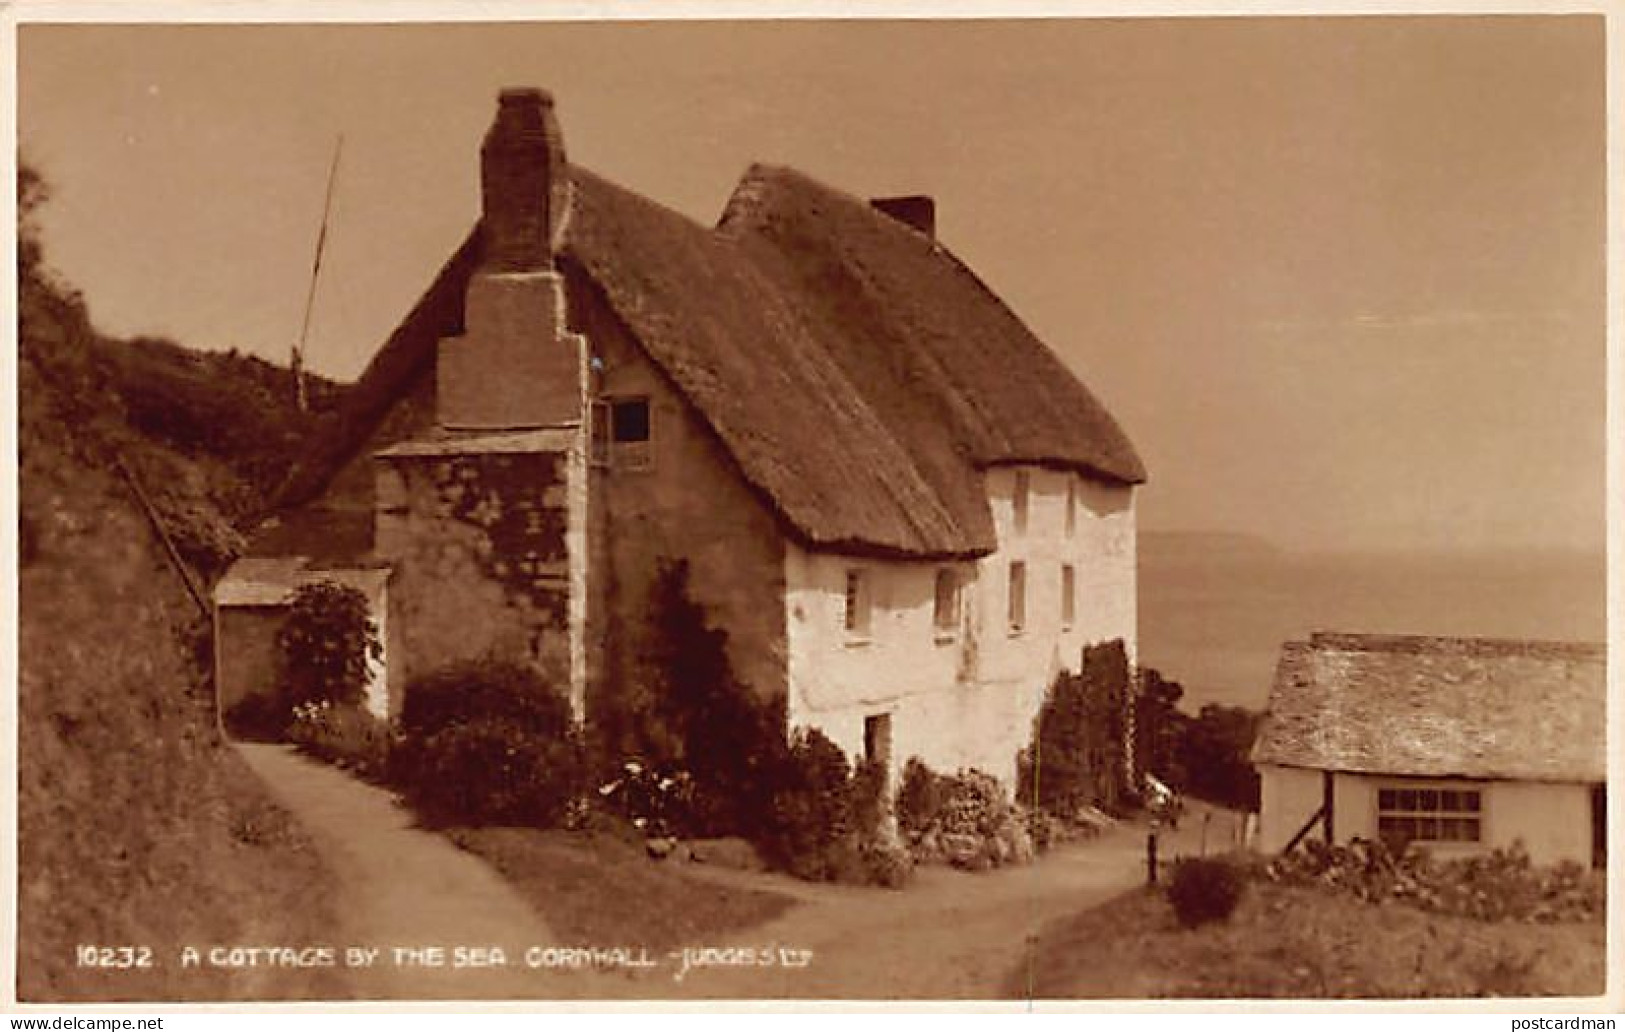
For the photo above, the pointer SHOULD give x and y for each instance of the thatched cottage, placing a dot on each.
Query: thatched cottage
(906, 512)
(1455, 744)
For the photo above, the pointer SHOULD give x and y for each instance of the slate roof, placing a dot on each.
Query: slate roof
(860, 376)
(272, 580)
(1439, 707)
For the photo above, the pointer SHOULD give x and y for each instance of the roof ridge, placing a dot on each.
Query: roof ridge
(1347, 641)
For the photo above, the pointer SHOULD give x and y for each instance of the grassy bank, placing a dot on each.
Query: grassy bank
(597, 890)
(137, 825)
(1301, 943)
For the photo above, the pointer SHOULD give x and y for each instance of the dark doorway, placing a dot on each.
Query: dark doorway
(877, 740)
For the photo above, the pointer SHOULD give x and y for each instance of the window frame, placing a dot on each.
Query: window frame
(1069, 596)
(857, 606)
(1391, 806)
(945, 619)
(1016, 600)
(1021, 501)
(611, 452)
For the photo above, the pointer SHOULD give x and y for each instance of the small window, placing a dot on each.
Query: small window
(1071, 506)
(1018, 596)
(855, 615)
(945, 613)
(1406, 815)
(1069, 596)
(631, 421)
(622, 433)
(1019, 500)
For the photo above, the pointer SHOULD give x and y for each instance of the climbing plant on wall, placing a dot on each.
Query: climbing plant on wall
(1078, 757)
(326, 643)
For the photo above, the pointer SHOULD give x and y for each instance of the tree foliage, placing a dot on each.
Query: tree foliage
(326, 644)
(1207, 755)
(1159, 728)
(1078, 757)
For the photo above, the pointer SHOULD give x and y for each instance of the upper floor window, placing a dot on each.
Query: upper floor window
(1020, 500)
(1071, 505)
(945, 611)
(622, 430)
(1407, 815)
(855, 613)
(1069, 596)
(1018, 596)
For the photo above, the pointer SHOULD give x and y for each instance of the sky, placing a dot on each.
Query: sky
(1342, 280)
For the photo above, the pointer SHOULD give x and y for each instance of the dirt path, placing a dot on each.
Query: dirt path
(950, 935)
(401, 886)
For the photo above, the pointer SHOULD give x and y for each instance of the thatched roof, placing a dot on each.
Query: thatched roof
(1439, 707)
(858, 374)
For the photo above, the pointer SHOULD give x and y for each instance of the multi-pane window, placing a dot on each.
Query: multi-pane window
(855, 615)
(945, 611)
(1069, 596)
(621, 433)
(1430, 814)
(1020, 498)
(1018, 596)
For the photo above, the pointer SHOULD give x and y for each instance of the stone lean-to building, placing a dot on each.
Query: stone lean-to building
(906, 512)
(1456, 744)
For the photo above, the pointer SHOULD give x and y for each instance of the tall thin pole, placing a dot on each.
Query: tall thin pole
(298, 363)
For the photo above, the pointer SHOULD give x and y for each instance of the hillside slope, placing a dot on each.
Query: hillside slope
(137, 825)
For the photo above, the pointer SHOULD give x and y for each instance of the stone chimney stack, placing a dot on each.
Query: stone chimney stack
(516, 366)
(524, 182)
(915, 210)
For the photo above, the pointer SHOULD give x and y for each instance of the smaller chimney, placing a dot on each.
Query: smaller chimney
(916, 210)
(523, 181)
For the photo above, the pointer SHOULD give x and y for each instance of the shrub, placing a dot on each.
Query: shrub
(1498, 885)
(326, 645)
(887, 864)
(347, 736)
(488, 743)
(259, 718)
(484, 689)
(1078, 755)
(919, 799)
(811, 812)
(965, 820)
(1204, 890)
(491, 770)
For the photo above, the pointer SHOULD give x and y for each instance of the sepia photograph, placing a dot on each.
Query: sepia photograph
(645, 509)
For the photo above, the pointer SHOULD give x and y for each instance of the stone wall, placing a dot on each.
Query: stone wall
(478, 542)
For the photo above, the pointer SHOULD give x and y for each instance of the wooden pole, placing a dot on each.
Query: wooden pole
(1326, 796)
(163, 535)
(298, 362)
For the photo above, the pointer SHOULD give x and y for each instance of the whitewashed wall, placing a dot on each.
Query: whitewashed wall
(966, 699)
(1552, 819)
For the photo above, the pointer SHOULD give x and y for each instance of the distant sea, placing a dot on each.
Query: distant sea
(1215, 609)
